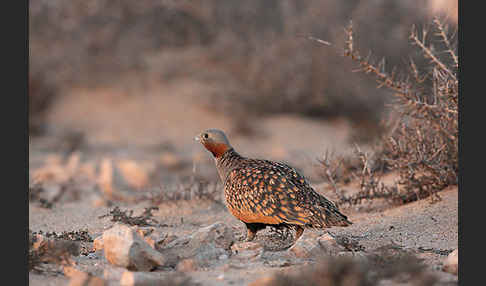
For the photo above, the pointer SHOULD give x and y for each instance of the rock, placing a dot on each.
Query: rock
(451, 262)
(205, 245)
(145, 234)
(98, 243)
(250, 255)
(105, 179)
(113, 273)
(171, 161)
(247, 245)
(70, 271)
(135, 175)
(187, 265)
(38, 241)
(80, 278)
(218, 233)
(129, 278)
(156, 238)
(278, 263)
(99, 201)
(89, 281)
(124, 247)
(305, 248)
(311, 246)
(358, 256)
(223, 257)
(161, 242)
(247, 250)
(328, 244)
(53, 250)
(264, 281)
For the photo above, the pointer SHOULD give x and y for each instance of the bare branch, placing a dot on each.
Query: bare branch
(445, 39)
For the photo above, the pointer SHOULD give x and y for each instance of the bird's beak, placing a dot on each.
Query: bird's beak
(197, 138)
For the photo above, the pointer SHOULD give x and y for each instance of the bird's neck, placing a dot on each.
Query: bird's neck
(217, 149)
(227, 162)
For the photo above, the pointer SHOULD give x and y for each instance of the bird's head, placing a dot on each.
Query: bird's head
(215, 141)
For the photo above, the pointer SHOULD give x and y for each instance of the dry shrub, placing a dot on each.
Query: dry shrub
(364, 167)
(421, 143)
(126, 217)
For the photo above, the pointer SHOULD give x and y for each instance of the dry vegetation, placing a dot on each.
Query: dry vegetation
(421, 140)
(126, 217)
(389, 263)
(263, 58)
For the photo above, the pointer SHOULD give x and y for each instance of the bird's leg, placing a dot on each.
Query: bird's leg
(252, 229)
(250, 235)
(298, 232)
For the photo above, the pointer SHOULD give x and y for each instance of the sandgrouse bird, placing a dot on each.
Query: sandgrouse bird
(264, 193)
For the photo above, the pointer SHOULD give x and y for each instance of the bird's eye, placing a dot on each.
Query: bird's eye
(205, 135)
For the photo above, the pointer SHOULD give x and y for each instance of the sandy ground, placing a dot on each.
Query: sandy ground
(159, 129)
(418, 225)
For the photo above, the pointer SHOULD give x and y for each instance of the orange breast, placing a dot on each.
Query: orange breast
(251, 217)
(217, 149)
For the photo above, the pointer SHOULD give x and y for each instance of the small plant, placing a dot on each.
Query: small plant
(145, 219)
(80, 235)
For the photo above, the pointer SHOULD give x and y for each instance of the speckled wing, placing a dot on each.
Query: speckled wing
(272, 193)
(326, 213)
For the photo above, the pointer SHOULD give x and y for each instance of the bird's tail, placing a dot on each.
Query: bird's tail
(329, 217)
(338, 219)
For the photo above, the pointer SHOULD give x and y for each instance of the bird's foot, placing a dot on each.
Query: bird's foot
(250, 236)
(298, 233)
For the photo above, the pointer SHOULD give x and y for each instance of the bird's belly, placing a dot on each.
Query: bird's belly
(249, 216)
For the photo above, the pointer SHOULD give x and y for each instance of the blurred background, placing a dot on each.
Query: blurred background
(130, 83)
